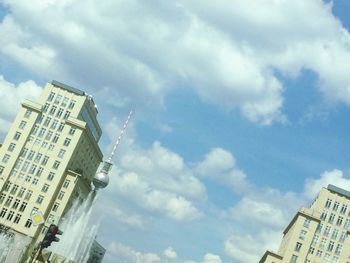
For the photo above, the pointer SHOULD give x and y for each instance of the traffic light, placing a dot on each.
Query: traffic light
(50, 236)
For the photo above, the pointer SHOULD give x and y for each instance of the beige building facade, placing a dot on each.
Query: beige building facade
(319, 233)
(48, 159)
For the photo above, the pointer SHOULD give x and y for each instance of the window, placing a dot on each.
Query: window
(48, 135)
(40, 120)
(52, 110)
(46, 158)
(5, 158)
(54, 124)
(44, 144)
(343, 209)
(42, 132)
(335, 234)
(21, 192)
(51, 147)
(72, 131)
(342, 237)
(9, 201)
(331, 218)
(2, 198)
(10, 215)
(1, 169)
(46, 107)
(339, 221)
(7, 186)
(55, 207)
(55, 138)
(50, 176)
(47, 121)
(37, 142)
(3, 212)
(30, 139)
(40, 171)
(31, 155)
(44, 230)
(315, 240)
(339, 249)
(60, 128)
(38, 157)
(35, 181)
(28, 178)
(11, 147)
(71, 104)
(323, 242)
(311, 250)
(58, 99)
(66, 115)
(61, 153)
(51, 96)
(24, 152)
(13, 173)
(330, 246)
(319, 253)
(60, 195)
(28, 195)
(25, 166)
(327, 256)
(23, 206)
(16, 203)
(27, 113)
(326, 231)
(22, 125)
(335, 259)
(40, 199)
(17, 136)
(335, 206)
(14, 189)
(347, 224)
(56, 165)
(294, 259)
(35, 130)
(65, 102)
(59, 113)
(297, 247)
(45, 188)
(67, 142)
(28, 224)
(17, 218)
(66, 183)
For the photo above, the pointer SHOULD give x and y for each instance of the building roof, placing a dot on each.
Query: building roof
(66, 87)
(270, 253)
(338, 190)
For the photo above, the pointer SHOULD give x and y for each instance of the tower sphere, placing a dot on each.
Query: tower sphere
(101, 180)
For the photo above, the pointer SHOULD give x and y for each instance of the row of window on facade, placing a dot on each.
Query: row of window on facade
(331, 219)
(336, 206)
(33, 167)
(59, 99)
(38, 141)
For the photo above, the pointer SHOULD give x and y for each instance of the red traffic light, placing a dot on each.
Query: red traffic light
(53, 229)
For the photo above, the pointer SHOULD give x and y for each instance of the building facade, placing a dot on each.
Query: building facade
(318, 233)
(48, 159)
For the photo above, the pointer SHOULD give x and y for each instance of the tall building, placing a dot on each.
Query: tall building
(47, 160)
(318, 233)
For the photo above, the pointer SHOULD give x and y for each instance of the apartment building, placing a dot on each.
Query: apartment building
(47, 160)
(319, 233)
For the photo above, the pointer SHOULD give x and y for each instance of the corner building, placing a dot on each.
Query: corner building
(48, 159)
(318, 233)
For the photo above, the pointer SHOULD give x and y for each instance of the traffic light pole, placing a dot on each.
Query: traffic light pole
(38, 252)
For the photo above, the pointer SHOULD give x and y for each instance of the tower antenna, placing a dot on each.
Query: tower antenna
(120, 136)
(101, 178)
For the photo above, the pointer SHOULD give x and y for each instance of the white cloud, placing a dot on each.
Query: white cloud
(211, 258)
(334, 177)
(220, 165)
(11, 96)
(170, 253)
(125, 254)
(228, 52)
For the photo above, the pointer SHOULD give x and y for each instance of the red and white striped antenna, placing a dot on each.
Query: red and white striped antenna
(119, 137)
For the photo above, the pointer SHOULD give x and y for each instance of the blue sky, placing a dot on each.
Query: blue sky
(242, 112)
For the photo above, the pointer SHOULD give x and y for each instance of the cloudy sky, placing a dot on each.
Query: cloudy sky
(242, 111)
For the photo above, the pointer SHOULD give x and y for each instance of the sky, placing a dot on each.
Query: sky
(241, 113)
